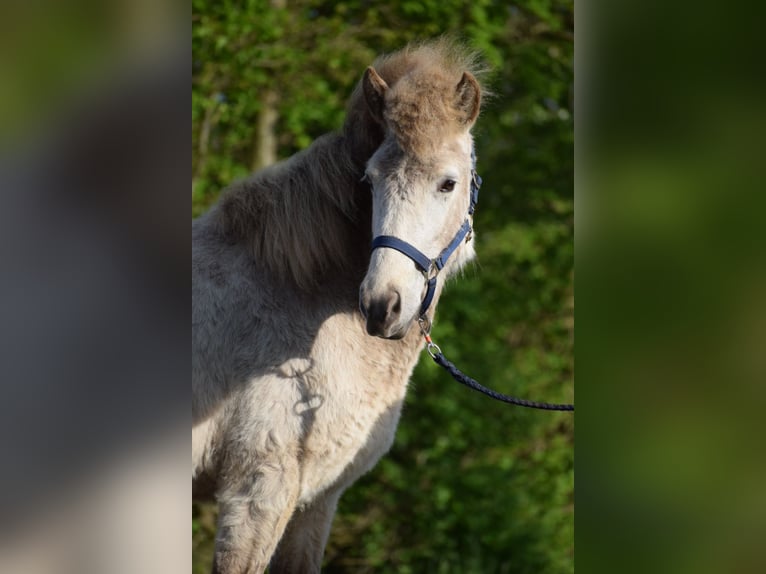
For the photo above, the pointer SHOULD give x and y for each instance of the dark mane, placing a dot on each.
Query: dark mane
(300, 216)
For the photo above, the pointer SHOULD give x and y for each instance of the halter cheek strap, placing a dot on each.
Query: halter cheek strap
(431, 267)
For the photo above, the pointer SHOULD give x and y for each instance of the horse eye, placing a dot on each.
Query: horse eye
(447, 185)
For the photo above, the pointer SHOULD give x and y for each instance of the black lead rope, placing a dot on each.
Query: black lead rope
(463, 379)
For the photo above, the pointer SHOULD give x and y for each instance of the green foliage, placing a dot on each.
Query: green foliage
(470, 485)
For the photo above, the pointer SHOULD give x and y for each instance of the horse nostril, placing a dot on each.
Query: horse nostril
(396, 307)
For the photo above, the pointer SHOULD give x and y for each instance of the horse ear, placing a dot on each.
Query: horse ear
(374, 90)
(468, 99)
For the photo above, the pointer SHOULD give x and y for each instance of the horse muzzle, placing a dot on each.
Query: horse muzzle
(382, 313)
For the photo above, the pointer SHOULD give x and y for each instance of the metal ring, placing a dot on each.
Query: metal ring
(430, 348)
(433, 270)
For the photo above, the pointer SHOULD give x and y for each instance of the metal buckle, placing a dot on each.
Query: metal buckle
(476, 178)
(425, 325)
(431, 272)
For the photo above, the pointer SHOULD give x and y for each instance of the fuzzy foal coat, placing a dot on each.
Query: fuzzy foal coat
(292, 400)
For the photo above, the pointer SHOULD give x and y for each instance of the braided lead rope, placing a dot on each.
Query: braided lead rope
(463, 379)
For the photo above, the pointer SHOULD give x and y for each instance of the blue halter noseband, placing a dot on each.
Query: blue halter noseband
(431, 267)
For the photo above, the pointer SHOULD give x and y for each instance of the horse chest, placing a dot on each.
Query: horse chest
(354, 422)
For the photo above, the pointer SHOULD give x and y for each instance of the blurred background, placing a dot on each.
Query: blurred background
(470, 485)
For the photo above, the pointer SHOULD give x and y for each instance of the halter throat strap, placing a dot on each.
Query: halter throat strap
(432, 267)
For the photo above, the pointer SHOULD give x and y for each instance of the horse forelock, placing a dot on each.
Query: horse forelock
(420, 104)
(419, 116)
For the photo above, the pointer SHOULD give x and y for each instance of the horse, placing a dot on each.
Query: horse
(303, 339)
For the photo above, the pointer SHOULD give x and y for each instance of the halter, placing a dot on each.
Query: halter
(431, 267)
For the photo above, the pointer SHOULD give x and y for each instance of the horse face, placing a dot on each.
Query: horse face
(422, 201)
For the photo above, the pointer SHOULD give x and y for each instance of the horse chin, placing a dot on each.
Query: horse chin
(389, 335)
(398, 332)
(394, 333)
(395, 336)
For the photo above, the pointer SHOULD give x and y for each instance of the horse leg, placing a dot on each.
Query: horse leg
(302, 546)
(252, 518)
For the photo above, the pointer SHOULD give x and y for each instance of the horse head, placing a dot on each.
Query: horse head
(423, 188)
